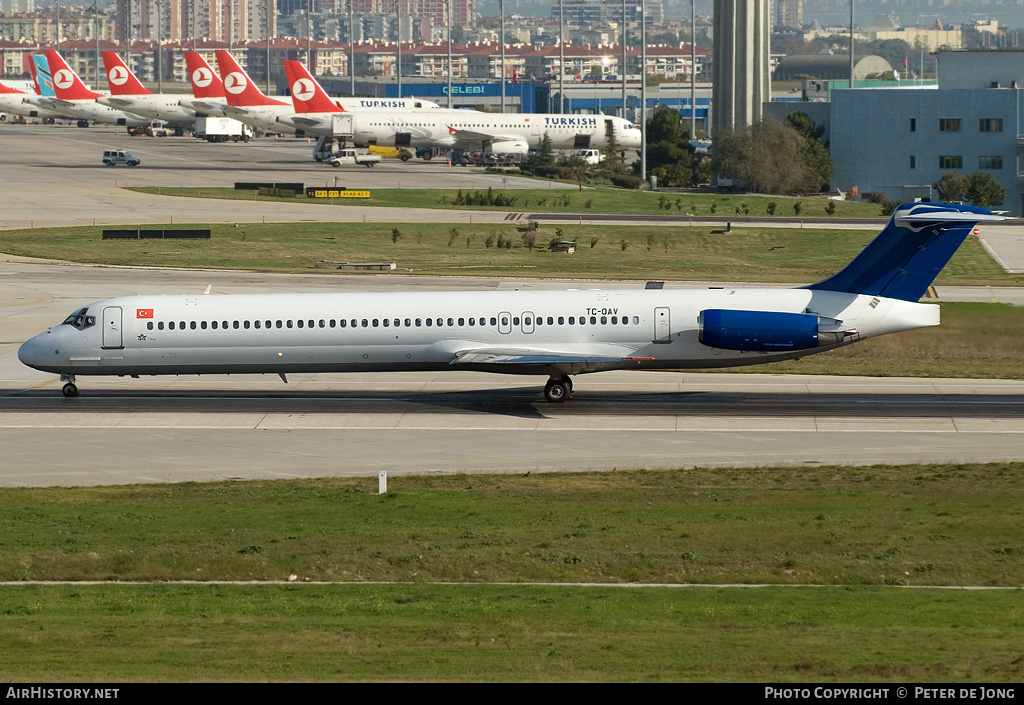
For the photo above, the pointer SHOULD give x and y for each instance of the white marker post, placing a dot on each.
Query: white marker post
(382, 482)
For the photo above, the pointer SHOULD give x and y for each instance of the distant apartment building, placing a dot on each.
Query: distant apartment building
(582, 13)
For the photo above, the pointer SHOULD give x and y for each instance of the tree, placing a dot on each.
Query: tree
(951, 187)
(545, 154)
(669, 153)
(773, 157)
(613, 163)
(983, 190)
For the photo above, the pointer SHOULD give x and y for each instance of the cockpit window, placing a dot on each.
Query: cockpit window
(80, 319)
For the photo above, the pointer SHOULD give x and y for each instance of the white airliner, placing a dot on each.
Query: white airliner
(73, 98)
(515, 133)
(19, 102)
(208, 96)
(246, 102)
(128, 93)
(553, 333)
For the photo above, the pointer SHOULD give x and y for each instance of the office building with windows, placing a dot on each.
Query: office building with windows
(901, 141)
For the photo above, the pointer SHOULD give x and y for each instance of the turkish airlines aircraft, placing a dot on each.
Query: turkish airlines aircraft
(552, 333)
(19, 103)
(73, 98)
(128, 93)
(449, 129)
(208, 95)
(246, 102)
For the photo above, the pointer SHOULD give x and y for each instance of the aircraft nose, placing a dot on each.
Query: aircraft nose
(29, 352)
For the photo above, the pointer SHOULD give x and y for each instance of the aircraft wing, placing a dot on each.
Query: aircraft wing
(115, 102)
(476, 137)
(305, 122)
(537, 361)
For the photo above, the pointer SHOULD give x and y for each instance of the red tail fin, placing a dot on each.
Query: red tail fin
(239, 89)
(205, 82)
(66, 83)
(307, 94)
(121, 79)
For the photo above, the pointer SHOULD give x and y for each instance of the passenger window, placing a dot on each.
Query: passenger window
(551, 321)
(160, 325)
(149, 326)
(289, 323)
(494, 321)
(300, 323)
(430, 322)
(604, 320)
(572, 320)
(203, 325)
(376, 322)
(323, 323)
(593, 320)
(418, 322)
(311, 323)
(636, 320)
(235, 325)
(245, 324)
(366, 323)
(462, 321)
(170, 325)
(472, 321)
(451, 322)
(440, 322)
(256, 324)
(561, 320)
(386, 323)
(213, 324)
(398, 323)
(528, 321)
(408, 322)
(280, 324)
(343, 322)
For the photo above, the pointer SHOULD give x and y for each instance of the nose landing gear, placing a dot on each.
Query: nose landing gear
(69, 390)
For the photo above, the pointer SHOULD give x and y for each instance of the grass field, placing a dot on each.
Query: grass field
(339, 633)
(800, 255)
(546, 200)
(859, 534)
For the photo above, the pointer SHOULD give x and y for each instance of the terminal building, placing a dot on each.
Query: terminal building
(900, 141)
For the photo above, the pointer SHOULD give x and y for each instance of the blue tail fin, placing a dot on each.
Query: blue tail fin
(904, 259)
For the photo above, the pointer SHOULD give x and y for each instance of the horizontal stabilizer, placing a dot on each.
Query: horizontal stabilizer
(904, 259)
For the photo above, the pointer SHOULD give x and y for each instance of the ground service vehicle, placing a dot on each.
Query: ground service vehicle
(112, 157)
(222, 129)
(350, 157)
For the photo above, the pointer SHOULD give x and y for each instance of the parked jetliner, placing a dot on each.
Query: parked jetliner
(517, 133)
(246, 102)
(553, 333)
(19, 103)
(73, 98)
(128, 93)
(208, 96)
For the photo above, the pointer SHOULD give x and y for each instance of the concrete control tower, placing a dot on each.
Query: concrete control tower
(742, 67)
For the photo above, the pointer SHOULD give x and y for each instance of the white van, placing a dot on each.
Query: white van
(588, 156)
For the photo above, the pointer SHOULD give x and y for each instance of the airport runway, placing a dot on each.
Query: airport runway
(199, 429)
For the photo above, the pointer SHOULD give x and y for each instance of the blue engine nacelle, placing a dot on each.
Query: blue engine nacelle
(758, 331)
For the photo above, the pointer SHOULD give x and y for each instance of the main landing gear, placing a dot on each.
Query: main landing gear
(70, 390)
(558, 390)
